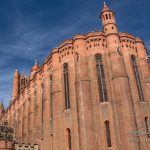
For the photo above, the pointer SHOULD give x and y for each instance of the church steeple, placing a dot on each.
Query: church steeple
(108, 20)
(105, 7)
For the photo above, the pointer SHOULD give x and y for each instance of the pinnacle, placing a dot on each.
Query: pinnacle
(105, 7)
(35, 61)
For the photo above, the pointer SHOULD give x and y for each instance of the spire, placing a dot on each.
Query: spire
(35, 67)
(35, 61)
(105, 7)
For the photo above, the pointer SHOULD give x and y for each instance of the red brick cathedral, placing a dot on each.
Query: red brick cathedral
(91, 93)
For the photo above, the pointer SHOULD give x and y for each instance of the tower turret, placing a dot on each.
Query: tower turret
(34, 68)
(108, 20)
(16, 83)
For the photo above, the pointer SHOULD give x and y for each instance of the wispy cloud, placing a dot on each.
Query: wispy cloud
(29, 29)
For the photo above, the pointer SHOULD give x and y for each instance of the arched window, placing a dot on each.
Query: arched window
(108, 137)
(51, 141)
(66, 86)
(106, 17)
(68, 139)
(109, 16)
(51, 96)
(101, 78)
(137, 77)
(35, 98)
(146, 127)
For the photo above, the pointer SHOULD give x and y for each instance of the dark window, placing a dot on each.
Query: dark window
(69, 138)
(108, 134)
(101, 78)
(42, 98)
(66, 86)
(109, 16)
(51, 96)
(146, 127)
(138, 81)
(106, 17)
(35, 99)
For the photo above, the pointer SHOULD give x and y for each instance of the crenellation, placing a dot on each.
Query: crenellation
(65, 50)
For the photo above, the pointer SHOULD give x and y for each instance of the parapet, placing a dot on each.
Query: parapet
(139, 40)
(90, 34)
(125, 34)
(66, 42)
(78, 36)
(54, 50)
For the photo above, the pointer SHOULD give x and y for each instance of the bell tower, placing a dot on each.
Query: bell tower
(110, 27)
(108, 20)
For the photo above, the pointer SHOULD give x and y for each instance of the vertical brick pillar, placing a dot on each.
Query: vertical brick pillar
(144, 68)
(38, 114)
(58, 103)
(31, 114)
(83, 96)
(123, 102)
(46, 109)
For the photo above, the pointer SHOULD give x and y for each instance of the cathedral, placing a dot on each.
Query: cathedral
(92, 92)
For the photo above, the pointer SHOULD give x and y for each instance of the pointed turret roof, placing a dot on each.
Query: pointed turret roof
(105, 7)
(35, 67)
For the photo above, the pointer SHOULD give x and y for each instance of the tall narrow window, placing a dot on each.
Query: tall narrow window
(68, 139)
(35, 109)
(108, 134)
(66, 86)
(51, 142)
(106, 17)
(146, 127)
(137, 77)
(42, 107)
(23, 122)
(101, 78)
(28, 118)
(51, 96)
(42, 97)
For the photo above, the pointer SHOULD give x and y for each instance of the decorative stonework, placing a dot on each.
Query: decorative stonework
(26, 146)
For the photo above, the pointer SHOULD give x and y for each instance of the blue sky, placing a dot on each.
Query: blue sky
(29, 29)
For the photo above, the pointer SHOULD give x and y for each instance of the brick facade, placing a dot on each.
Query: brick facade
(89, 94)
